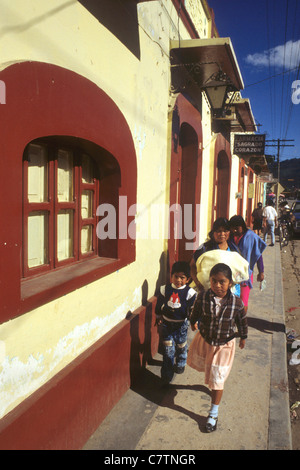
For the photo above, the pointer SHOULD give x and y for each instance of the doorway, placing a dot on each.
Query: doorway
(222, 186)
(185, 181)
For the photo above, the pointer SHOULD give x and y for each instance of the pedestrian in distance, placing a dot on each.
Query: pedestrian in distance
(269, 222)
(220, 317)
(251, 247)
(172, 310)
(257, 218)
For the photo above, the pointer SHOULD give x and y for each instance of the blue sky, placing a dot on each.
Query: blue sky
(266, 39)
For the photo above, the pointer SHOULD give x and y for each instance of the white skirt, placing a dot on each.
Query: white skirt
(214, 361)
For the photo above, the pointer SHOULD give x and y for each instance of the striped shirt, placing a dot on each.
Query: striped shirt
(219, 322)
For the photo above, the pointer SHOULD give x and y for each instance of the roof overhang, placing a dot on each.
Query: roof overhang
(258, 163)
(244, 111)
(239, 116)
(202, 60)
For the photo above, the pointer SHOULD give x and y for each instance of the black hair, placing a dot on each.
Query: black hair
(221, 268)
(218, 223)
(181, 267)
(238, 221)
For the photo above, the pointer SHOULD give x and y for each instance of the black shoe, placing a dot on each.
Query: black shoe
(165, 382)
(179, 370)
(271, 244)
(211, 427)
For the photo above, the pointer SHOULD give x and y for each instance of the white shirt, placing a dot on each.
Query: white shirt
(270, 213)
(219, 301)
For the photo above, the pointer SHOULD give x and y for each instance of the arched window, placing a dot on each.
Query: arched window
(72, 150)
(61, 192)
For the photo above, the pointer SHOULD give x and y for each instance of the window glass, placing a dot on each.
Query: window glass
(37, 238)
(65, 240)
(37, 173)
(87, 204)
(87, 169)
(64, 176)
(86, 239)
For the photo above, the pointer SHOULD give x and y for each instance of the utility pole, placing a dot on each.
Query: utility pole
(278, 144)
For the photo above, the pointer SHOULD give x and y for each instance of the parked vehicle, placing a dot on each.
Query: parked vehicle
(295, 216)
(284, 223)
(284, 234)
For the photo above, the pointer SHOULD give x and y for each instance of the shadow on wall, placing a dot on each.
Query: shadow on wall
(143, 380)
(143, 331)
(120, 18)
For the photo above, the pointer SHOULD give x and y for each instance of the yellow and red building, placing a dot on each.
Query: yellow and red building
(106, 125)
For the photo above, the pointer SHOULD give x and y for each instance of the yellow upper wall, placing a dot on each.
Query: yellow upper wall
(136, 76)
(39, 344)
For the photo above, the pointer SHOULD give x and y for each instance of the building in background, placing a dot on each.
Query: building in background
(115, 161)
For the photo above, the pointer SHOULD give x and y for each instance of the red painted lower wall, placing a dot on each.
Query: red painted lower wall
(66, 411)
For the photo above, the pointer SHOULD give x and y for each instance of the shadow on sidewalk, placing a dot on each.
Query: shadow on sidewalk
(265, 326)
(149, 386)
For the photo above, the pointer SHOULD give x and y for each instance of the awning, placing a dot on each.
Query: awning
(259, 164)
(244, 112)
(238, 116)
(203, 59)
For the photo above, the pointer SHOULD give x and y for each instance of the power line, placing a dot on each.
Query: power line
(292, 52)
(281, 108)
(296, 54)
(269, 48)
(273, 76)
(277, 143)
(283, 64)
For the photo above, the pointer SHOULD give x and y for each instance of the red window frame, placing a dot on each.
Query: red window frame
(104, 127)
(52, 206)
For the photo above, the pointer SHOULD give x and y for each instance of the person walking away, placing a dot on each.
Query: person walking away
(257, 218)
(251, 247)
(220, 317)
(269, 222)
(172, 310)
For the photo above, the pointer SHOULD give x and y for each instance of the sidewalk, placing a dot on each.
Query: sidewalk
(254, 411)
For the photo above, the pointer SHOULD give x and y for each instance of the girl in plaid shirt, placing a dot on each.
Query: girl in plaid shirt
(220, 317)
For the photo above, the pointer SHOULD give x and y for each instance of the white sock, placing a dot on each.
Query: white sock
(214, 413)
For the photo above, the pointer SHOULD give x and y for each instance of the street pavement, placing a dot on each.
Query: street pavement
(254, 411)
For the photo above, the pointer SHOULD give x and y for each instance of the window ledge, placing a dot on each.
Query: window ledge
(46, 287)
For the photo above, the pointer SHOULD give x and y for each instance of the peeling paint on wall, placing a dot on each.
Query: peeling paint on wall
(19, 379)
(140, 139)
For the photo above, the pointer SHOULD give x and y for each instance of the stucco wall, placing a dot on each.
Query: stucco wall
(135, 74)
(38, 344)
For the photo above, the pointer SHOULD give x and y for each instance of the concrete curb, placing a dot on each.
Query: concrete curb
(280, 437)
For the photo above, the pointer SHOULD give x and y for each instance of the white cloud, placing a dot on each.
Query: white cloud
(286, 55)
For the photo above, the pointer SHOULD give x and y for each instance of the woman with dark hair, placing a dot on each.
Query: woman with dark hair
(251, 247)
(218, 240)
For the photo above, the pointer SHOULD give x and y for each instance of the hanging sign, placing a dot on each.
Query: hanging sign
(253, 144)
